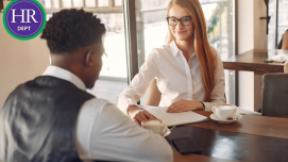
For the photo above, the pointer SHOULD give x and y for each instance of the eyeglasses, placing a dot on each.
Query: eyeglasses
(173, 21)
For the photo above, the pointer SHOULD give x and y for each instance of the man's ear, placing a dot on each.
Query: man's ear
(88, 58)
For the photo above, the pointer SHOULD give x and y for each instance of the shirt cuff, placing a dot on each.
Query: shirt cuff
(124, 104)
(209, 105)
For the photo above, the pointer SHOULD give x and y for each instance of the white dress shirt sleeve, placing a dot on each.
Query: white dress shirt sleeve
(218, 92)
(104, 133)
(139, 84)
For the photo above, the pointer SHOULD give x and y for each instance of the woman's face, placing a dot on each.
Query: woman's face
(180, 23)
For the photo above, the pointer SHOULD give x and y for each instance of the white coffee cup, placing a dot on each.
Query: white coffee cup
(156, 126)
(225, 112)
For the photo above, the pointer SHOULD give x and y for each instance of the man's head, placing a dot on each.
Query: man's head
(74, 38)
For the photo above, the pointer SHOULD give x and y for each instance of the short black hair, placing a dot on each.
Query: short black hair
(70, 29)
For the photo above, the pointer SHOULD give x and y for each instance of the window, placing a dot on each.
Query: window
(220, 23)
(278, 22)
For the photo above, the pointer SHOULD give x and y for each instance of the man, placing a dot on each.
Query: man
(53, 119)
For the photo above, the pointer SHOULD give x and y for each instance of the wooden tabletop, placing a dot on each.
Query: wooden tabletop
(253, 60)
(252, 124)
(259, 131)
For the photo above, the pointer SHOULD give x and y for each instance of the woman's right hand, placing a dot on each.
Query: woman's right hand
(139, 115)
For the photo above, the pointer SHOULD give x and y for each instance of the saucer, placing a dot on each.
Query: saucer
(214, 118)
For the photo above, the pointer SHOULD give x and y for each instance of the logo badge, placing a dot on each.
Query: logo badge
(24, 19)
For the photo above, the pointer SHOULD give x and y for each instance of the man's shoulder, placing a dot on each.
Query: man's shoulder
(100, 108)
(14, 93)
(98, 103)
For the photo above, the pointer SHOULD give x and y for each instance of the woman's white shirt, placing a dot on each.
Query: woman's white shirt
(176, 79)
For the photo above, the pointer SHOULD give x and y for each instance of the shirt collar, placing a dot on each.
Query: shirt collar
(175, 50)
(64, 74)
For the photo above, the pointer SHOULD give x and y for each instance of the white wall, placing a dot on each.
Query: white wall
(245, 25)
(251, 35)
(260, 37)
(19, 61)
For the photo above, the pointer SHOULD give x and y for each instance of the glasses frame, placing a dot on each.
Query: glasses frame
(182, 20)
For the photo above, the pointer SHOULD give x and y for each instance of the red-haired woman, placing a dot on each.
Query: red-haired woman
(188, 72)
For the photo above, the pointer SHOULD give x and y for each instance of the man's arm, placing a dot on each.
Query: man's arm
(105, 133)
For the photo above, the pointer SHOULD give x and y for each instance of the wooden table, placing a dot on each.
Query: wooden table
(253, 138)
(253, 60)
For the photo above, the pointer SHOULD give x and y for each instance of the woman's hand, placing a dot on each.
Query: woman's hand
(184, 105)
(139, 115)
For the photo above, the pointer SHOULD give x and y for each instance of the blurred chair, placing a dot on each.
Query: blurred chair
(275, 95)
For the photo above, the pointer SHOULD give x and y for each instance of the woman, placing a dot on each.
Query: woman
(188, 72)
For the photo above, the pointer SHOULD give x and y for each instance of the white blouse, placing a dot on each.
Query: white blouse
(176, 79)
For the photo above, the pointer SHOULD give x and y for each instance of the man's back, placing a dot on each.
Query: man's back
(40, 118)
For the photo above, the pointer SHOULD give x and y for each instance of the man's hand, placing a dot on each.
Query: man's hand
(139, 115)
(184, 105)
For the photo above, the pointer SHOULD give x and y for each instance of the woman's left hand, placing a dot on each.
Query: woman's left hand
(184, 105)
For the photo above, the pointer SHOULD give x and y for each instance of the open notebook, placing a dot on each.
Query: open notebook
(173, 119)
